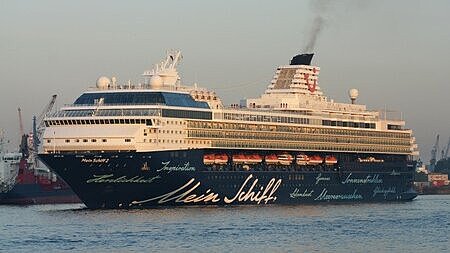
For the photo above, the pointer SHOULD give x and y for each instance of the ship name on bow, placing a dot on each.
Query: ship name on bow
(95, 160)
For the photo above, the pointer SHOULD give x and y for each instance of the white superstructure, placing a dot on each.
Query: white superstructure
(163, 114)
(9, 167)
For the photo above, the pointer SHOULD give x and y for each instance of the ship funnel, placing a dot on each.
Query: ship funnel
(302, 59)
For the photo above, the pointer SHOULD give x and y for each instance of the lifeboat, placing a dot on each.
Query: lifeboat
(285, 159)
(221, 159)
(330, 160)
(315, 160)
(208, 159)
(252, 159)
(239, 159)
(271, 159)
(302, 159)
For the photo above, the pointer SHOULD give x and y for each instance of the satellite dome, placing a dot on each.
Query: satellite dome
(353, 93)
(156, 81)
(103, 82)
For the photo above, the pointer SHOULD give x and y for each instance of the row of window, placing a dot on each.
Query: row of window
(295, 137)
(295, 129)
(172, 113)
(265, 118)
(107, 112)
(170, 131)
(349, 124)
(86, 140)
(175, 141)
(394, 127)
(145, 140)
(48, 123)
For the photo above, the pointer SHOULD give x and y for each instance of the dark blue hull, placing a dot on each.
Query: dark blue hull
(129, 179)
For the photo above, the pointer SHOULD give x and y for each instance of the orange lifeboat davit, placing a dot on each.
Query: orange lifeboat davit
(302, 159)
(330, 160)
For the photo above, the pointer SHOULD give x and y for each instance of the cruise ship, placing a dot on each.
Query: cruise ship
(160, 142)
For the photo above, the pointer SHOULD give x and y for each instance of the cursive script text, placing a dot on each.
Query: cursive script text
(297, 194)
(109, 178)
(184, 167)
(367, 180)
(325, 196)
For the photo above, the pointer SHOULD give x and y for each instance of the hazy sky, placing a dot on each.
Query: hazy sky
(397, 53)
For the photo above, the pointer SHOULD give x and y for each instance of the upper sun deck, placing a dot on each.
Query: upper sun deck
(139, 97)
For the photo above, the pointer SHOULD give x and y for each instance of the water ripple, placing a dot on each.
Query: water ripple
(418, 226)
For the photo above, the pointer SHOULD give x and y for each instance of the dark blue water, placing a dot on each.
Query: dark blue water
(422, 225)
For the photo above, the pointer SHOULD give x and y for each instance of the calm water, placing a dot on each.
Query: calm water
(419, 226)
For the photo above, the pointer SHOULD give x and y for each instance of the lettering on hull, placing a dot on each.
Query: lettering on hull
(369, 179)
(321, 178)
(248, 192)
(109, 178)
(95, 160)
(166, 166)
(299, 194)
(324, 195)
(383, 191)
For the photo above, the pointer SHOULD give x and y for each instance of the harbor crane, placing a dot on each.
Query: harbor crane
(434, 152)
(38, 122)
(23, 137)
(39, 126)
(445, 156)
